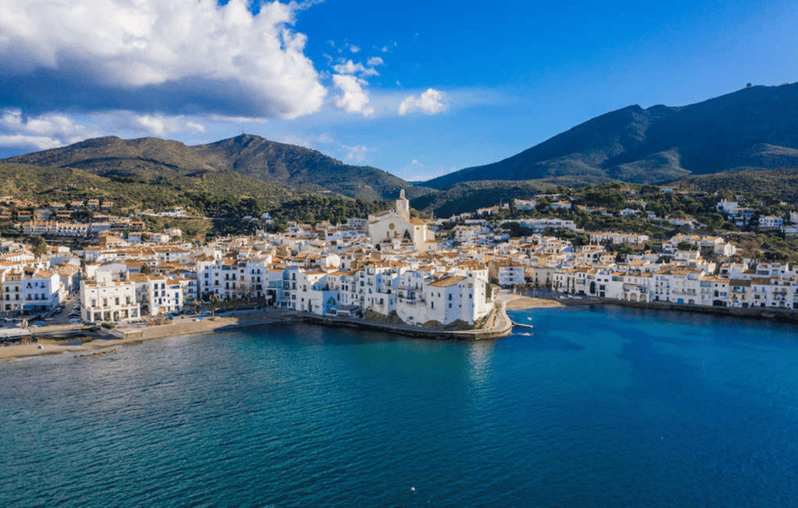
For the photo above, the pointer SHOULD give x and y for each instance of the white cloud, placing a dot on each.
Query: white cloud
(354, 99)
(354, 49)
(429, 102)
(375, 61)
(53, 130)
(127, 45)
(356, 154)
(161, 125)
(42, 132)
(350, 67)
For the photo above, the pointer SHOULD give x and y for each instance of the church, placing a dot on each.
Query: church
(396, 225)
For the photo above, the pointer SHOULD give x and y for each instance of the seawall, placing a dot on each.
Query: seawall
(498, 325)
(763, 313)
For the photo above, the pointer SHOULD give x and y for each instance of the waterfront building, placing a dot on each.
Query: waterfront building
(107, 299)
(31, 290)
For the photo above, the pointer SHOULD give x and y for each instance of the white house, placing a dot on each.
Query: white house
(106, 299)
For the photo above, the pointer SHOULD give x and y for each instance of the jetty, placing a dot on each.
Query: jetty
(522, 325)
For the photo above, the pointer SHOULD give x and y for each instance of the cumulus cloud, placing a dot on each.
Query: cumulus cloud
(429, 102)
(162, 125)
(52, 130)
(356, 154)
(184, 56)
(375, 61)
(350, 67)
(42, 132)
(353, 98)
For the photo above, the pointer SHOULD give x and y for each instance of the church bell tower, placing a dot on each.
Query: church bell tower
(403, 206)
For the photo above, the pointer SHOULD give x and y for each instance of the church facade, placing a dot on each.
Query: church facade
(397, 225)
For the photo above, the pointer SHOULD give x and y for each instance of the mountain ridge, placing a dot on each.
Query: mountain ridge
(252, 156)
(751, 128)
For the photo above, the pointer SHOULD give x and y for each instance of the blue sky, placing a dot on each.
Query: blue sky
(418, 89)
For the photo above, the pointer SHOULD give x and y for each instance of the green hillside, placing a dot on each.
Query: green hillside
(469, 196)
(43, 185)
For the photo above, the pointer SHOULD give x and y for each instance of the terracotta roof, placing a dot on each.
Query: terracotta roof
(448, 282)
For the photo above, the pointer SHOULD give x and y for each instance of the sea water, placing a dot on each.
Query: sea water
(593, 407)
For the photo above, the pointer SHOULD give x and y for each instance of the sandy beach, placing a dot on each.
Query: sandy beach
(134, 334)
(526, 302)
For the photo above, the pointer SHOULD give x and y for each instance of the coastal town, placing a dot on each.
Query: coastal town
(391, 267)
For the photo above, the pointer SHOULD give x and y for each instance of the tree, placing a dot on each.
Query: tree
(38, 245)
(621, 251)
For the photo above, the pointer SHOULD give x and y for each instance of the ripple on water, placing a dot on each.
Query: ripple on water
(599, 407)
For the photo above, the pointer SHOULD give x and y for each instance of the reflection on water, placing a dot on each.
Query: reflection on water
(597, 407)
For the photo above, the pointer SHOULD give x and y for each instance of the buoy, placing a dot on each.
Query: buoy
(412, 489)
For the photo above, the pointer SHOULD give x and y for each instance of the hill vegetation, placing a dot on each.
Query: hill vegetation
(781, 183)
(43, 185)
(469, 196)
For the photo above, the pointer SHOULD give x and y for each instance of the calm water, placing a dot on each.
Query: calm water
(604, 407)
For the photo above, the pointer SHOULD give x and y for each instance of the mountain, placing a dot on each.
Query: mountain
(267, 160)
(751, 129)
(278, 164)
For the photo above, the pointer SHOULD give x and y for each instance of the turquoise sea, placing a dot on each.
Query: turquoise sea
(597, 407)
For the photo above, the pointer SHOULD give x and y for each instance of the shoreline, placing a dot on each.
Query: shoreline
(106, 339)
(758, 313)
(499, 326)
